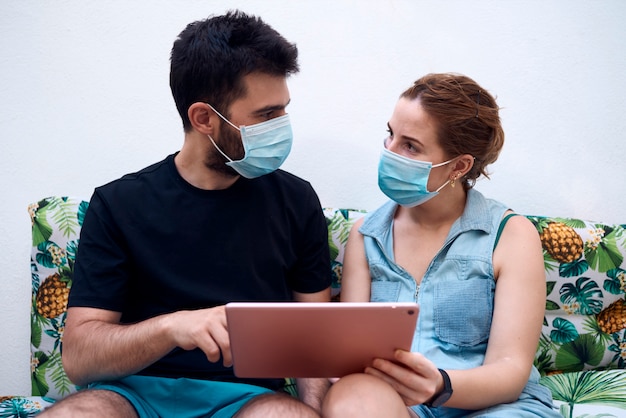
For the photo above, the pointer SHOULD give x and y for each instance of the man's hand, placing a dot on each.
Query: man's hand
(205, 329)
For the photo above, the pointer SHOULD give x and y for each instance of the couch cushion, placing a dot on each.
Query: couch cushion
(22, 406)
(339, 222)
(56, 223)
(585, 323)
(590, 392)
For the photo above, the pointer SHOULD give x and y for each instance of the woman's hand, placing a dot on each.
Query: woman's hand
(413, 376)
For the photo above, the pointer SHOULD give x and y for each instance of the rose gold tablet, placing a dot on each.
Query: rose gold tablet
(298, 339)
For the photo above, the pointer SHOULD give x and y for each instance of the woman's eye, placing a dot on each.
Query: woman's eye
(409, 146)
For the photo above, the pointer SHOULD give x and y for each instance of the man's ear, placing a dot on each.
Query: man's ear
(203, 119)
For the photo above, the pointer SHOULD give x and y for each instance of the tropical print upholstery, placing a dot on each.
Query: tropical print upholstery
(584, 330)
(581, 355)
(56, 223)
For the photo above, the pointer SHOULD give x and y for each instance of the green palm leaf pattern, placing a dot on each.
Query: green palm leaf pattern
(60, 380)
(41, 227)
(604, 388)
(584, 350)
(41, 363)
(604, 255)
(590, 324)
(65, 215)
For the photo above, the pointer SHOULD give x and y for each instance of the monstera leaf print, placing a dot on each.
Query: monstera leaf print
(50, 254)
(573, 269)
(20, 407)
(619, 348)
(602, 388)
(564, 331)
(585, 296)
(616, 282)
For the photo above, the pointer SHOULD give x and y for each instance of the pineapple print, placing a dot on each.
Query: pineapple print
(613, 318)
(562, 242)
(52, 296)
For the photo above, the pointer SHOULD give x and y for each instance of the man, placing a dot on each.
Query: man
(162, 250)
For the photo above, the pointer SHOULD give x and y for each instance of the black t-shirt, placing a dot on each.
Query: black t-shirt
(151, 243)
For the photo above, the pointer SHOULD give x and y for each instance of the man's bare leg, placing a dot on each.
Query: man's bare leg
(276, 405)
(91, 403)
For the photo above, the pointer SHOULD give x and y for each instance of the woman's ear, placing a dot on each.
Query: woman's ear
(463, 165)
(202, 118)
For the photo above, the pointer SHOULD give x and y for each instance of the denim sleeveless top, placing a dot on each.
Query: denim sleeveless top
(456, 294)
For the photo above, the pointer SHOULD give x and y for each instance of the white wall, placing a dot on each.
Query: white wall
(84, 98)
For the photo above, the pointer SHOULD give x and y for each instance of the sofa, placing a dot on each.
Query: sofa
(581, 354)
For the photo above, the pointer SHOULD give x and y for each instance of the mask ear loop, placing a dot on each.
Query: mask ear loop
(223, 118)
(443, 185)
(227, 121)
(219, 150)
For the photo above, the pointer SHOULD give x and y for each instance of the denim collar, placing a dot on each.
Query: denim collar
(476, 216)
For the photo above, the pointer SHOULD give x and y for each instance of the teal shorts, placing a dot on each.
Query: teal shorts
(155, 397)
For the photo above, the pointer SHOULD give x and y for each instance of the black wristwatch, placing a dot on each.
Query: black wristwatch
(443, 396)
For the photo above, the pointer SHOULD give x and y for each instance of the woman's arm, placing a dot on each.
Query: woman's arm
(355, 281)
(519, 308)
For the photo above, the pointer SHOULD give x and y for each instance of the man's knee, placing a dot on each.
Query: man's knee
(91, 403)
(275, 405)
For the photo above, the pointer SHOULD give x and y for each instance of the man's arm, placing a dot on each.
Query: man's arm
(97, 347)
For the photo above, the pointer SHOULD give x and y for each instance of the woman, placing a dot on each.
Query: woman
(475, 268)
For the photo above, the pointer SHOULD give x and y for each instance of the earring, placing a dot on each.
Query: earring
(453, 182)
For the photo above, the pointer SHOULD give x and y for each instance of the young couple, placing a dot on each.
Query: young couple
(164, 249)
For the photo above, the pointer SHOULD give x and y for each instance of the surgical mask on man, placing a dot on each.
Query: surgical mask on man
(266, 146)
(405, 180)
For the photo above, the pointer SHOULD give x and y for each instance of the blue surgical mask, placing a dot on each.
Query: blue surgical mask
(405, 180)
(266, 145)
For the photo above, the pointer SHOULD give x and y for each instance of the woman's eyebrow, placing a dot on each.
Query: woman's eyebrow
(408, 138)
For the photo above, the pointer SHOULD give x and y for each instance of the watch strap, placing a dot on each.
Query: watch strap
(443, 396)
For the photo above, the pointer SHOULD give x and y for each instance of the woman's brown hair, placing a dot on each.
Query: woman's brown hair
(466, 116)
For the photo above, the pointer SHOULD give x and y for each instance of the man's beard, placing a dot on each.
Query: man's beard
(230, 143)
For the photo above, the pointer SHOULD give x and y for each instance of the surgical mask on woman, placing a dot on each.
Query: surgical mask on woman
(405, 180)
(266, 145)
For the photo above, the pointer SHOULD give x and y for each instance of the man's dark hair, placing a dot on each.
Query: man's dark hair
(210, 58)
